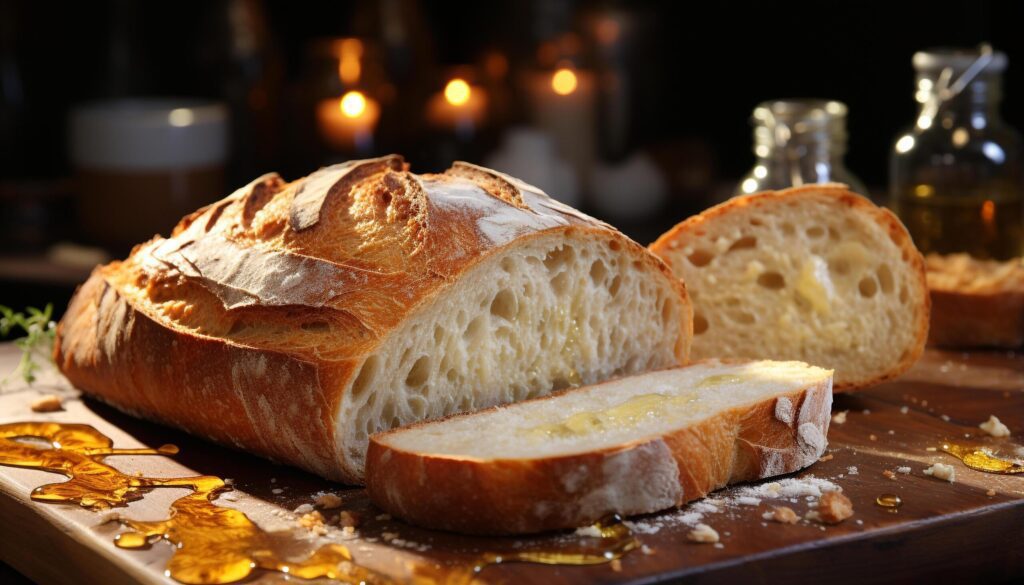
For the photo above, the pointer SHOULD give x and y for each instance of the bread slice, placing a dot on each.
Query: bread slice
(633, 445)
(294, 320)
(975, 303)
(816, 273)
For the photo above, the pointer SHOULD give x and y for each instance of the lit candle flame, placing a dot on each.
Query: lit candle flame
(353, 104)
(564, 81)
(457, 92)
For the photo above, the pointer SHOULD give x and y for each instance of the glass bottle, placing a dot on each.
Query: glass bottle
(799, 142)
(955, 177)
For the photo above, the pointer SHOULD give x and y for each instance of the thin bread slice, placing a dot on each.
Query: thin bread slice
(816, 273)
(630, 446)
(975, 303)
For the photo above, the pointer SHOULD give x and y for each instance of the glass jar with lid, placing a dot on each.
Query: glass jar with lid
(799, 142)
(955, 177)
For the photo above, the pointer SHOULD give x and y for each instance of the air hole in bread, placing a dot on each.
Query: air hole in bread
(239, 327)
(560, 283)
(833, 234)
(365, 377)
(700, 324)
(885, 279)
(615, 245)
(788, 229)
(613, 288)
(732, 302)
(505, 305)
(815, 231)
(508, 265)
(438, 334)
(419, 372)
(559, 257)
(742, 317)
(598, 272)
(700, 257)
(756, 222)
(904, 294)
(772, 280)
(476, 329)
(667, 314)
(867, 287)
(744, 243)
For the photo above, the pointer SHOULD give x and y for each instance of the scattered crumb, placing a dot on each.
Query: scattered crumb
(813, 516)
(931, 449)
(388, 536)
(903, 469)
(889, 474)
(866, 411)
(992, 426)
(891, 432)
(229, 481)
(48, 403)
(646, 550)
(703, 533)
(904, 409)
(313, 522)
(589, 531)
(782, 515)
(872, 437)
(348, 530)
(383, 517)
(328, 501)
(942, 471)
(833, 508)
(924, 403)
(719, 545)
(990, 493)
(852, 470)
(616, 565)
(276, 491)
(860, 522)
(348, 519)
(748, 501)
(828, 457)
(840, 417)
(944, 417)
(304, 509)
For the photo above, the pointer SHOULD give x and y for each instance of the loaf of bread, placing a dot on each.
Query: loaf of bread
(815, 273)
(294, 320)
(630, 446)
(975, 303)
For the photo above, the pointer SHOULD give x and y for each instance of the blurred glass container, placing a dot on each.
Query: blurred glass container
(799, 142)
(142, 164)
(955, 177)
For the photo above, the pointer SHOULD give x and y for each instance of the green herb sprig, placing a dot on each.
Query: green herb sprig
(37, 344)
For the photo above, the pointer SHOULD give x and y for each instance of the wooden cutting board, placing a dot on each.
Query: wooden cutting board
(968, 530)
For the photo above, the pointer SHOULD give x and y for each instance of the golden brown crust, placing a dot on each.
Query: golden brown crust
(517, 496)
(245, 330)
(832, 193)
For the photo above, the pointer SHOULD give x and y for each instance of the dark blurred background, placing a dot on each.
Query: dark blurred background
(637, 112)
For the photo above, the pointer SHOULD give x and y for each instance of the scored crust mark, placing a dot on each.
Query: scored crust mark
(258, 193)
(494, 183)
(335, 181)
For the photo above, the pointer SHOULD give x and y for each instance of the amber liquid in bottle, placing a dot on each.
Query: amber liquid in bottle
(984, 224)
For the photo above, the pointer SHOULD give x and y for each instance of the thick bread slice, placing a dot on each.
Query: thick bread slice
(633, 445)
(975, 303)
(814, 273)
(295, 320)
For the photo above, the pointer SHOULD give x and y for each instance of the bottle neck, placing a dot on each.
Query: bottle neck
(977, 105)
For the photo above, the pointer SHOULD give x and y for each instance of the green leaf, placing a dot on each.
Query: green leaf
(40, 332)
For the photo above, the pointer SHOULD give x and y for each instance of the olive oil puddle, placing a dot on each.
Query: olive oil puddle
(213, 544)
(981, 459)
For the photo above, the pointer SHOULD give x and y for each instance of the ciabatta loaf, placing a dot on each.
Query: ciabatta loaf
(975, 303)
(295, 320)
(633, 445)
(816, 273)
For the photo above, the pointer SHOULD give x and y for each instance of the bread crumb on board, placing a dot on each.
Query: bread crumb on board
(889, 474)
(903, 469)
(303, 509)
(782, 515)
(825, 458)
(833, 508)
(48, 403)
(313, 522)
(990, 493)
(328, 501)
(348, 519)
(942, 471)
(840, 417)
(995, 427)
(703, 534)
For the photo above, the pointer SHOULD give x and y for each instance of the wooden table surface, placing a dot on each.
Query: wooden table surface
(947, 531)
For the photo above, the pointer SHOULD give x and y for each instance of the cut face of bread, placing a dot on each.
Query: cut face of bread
(552, 314)
(817, 274)
(975, 303)
(294, 320)
(633, 445)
